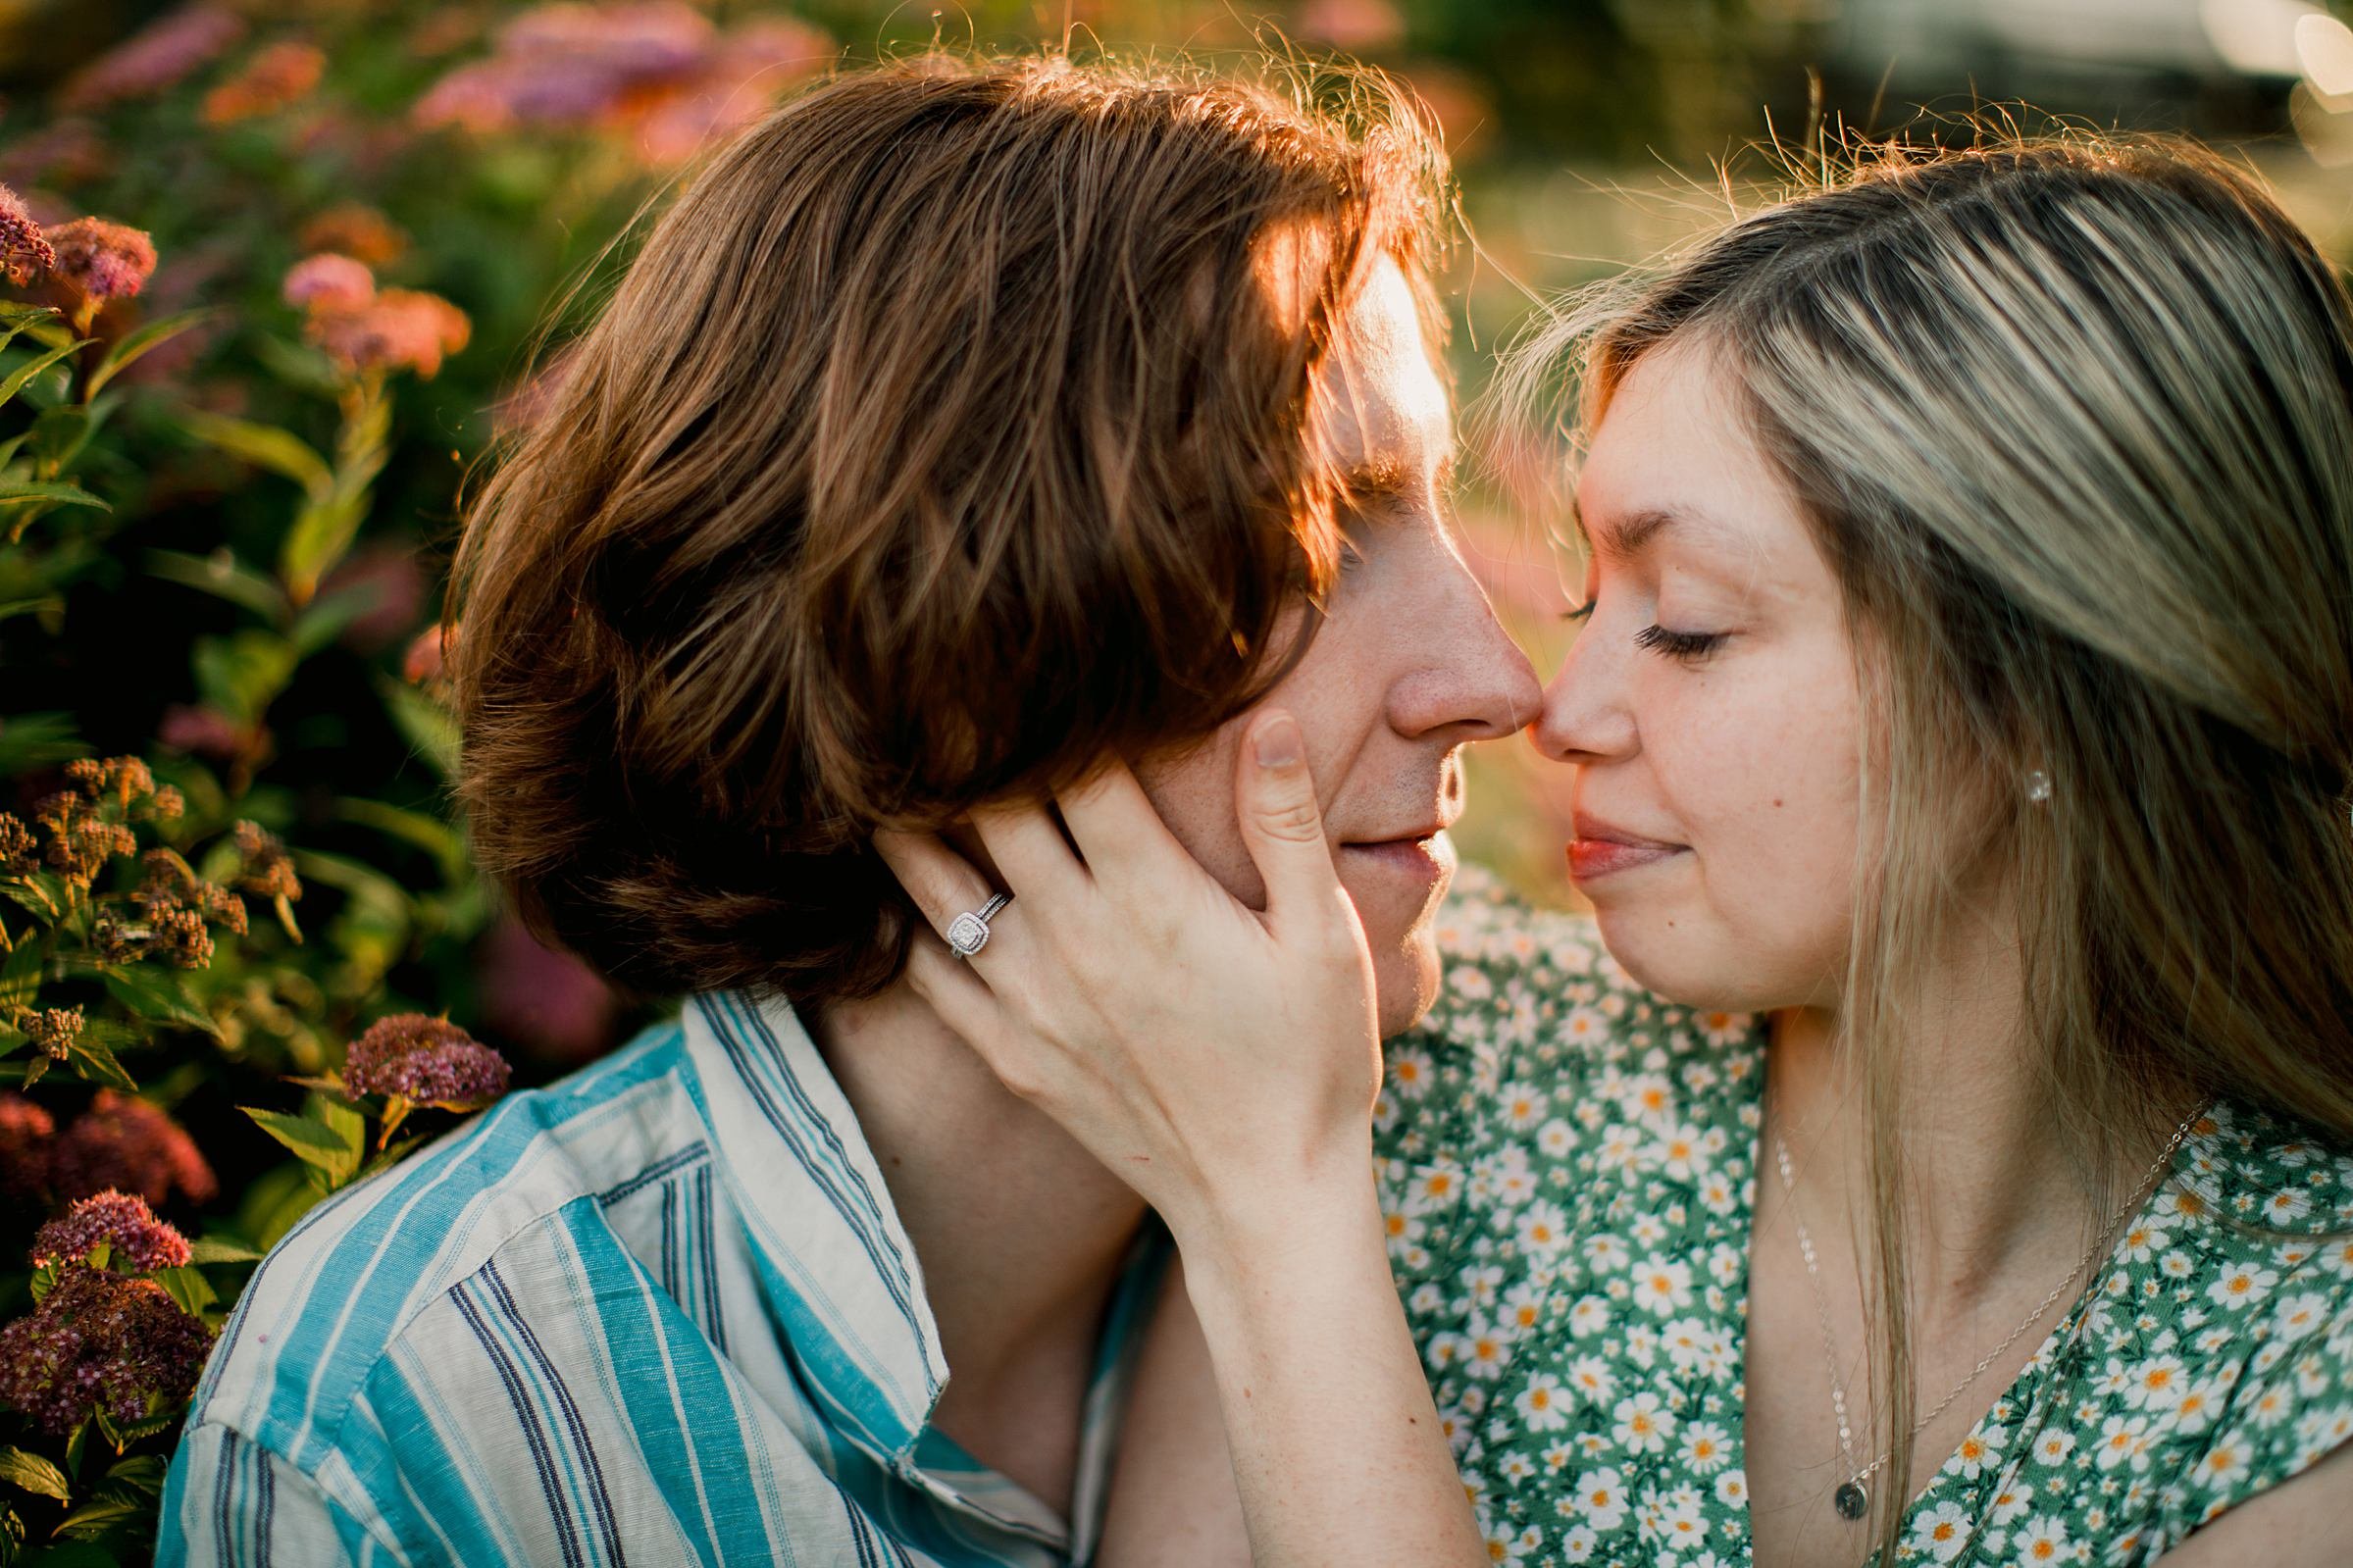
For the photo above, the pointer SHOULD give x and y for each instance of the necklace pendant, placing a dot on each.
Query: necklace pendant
(1851, 1500)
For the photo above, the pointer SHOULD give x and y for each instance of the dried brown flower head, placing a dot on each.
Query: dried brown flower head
(267, 868)
(24, 249)
(17, 847)
(53, 1030)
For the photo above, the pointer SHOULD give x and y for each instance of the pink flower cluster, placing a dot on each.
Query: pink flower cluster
(102, 260)
(120, 1143)
(425, 1060)
(124, 1223)
(160, 55)
(362, 328)
(659, 71)
(100, 1338)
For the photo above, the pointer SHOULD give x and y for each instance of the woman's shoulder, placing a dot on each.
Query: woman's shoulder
(2218, 1360)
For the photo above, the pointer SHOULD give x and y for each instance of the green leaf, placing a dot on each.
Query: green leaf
(36, 1068)
(240, 674)
(95, 1062)
(325, 618)
(429, 728)
(95, 1517)
(315, 1143)
(187, 1287)
(46, 604)
(140, 1472)
(222, 574)
(159, 998)
(340, 1117)
(220, 1250)
(437, 837)
(322, 531)
(30, 740)
(152, 335)
(263, 445)
(16, 382)
(49, 490)
(29, 896)
(59, 434)
(20, 974)
(277, 1198)
(34, 1474)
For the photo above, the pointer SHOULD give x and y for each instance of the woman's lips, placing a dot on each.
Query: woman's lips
(1601, 850)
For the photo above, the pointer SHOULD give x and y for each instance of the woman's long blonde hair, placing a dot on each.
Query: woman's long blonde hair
(2071, 418)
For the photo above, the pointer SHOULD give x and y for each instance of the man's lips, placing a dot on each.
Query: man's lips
(1602, 848)
(1423, 854)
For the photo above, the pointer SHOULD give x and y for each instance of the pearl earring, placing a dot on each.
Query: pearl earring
(2038, 787)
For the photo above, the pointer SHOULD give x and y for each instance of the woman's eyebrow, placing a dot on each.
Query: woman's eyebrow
(1631, 536)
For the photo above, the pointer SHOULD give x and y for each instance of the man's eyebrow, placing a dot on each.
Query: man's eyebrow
(1387, 480)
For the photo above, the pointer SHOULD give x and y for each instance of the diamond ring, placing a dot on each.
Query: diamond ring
(968, 932)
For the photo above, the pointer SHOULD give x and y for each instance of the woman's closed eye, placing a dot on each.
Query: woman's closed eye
(1688, 646)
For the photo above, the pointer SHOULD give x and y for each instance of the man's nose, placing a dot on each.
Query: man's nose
(1471, 679)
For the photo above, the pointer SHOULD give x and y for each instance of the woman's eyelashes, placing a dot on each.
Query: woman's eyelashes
(1690, 647)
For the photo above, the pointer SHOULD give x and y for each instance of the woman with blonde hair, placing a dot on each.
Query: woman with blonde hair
(1951, 1158)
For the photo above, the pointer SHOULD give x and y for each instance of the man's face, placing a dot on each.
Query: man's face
(1409, 665)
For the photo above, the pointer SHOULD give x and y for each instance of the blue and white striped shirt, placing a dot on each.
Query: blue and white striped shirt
(661, 1311)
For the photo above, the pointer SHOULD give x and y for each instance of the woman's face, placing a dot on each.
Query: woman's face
(1708, 705)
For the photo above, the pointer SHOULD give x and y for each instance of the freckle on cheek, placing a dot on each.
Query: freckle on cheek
(1777, 802)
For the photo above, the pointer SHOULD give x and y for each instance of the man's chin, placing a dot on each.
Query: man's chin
(1406, 979)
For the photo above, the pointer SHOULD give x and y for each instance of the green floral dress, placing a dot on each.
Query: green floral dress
(1568, 1168)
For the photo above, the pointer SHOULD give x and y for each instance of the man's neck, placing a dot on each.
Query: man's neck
(1019, 1230)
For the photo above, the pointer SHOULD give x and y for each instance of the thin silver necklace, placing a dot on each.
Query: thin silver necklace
(1852, 1499)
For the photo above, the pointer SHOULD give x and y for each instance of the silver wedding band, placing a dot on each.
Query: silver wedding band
(968, 932)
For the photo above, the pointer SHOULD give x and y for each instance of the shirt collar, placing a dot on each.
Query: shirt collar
(835, 1263)
(842, 1279)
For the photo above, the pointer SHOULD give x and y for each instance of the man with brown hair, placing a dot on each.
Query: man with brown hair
(959, 424)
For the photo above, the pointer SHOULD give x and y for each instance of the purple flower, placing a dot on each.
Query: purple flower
(102, 260)
(425, 1060)
(159, 55)
(123, 1222)
(100, 1338)
(126, 1143)
(24, 249)
(328, 279)
(27, 1130)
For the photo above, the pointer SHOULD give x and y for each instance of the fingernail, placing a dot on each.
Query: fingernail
(1276, 743)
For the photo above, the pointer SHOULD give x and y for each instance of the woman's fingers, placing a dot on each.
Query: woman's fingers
(1116, 828)
(1282, 825)
(964, 1001)
(1032, 856)
(942, 882)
